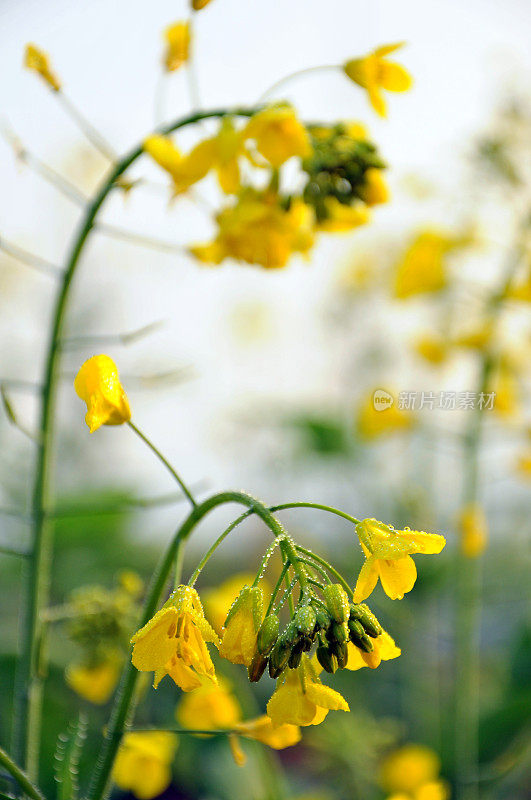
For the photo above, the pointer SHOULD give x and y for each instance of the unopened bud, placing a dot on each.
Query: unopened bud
(338, 632)
(364, 615)
(257, 667)
(322, 619)
(296, 655)
(304, 620)
(326, 659)
(268, 634)
(279, 655)
(337, 602)
(358, 636)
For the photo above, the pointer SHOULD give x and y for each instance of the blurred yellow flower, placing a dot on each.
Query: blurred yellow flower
(408, 768)
(477, 337)
(173, 642)
(223, 151)
(98, 384)
(197, 5)
(177, 38)
(95, 683)
(131, 582)
(278, 134)
(217, 602)
(210, 707)
(473, 530)
(384, 650)
(37, 60)
(422, 269)
(521, 290)
(372, 422)
(433, 790)
(504, 382)
(258, 229)
(374, 73)
(341, 218)
(301, 699)
(184, 170)
(432, 348)
(262, 729)
(523, 464)
(238, 643)
(388, 557)
(375, 190)
(142, 764)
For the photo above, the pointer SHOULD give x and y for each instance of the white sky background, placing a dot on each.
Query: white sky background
(108, 55)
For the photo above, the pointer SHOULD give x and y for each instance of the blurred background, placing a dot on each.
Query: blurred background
(264, 380)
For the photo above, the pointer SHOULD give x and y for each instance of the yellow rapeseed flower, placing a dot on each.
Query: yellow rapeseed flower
(521, 290)
(433, 790)
(374, 73)
(388, 557)
(173, 642)
(37, 60)
(94, 683)
(262, 729)
(473, 530)
(210, 707)
(374, 190)
(342, 218)
(143, 763)
(384, 649)
(238, 643)
(185, 170)
(301, 699)
(197, 5)
(422, 268)
(258, 229)
(278, 134)
(98, 384)
(217, 602)
(177, 38)
(409, 768)
(372, 422)
(432, 348)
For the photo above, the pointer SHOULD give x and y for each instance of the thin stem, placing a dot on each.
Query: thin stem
(212, 549)
(165, 461)
(112, 338)
(318, 506)
(21, 778)
(191, 68)
(292, 76)
(329, 567)
(30, 259)
(86, 127)
(277, 587)
(316, 567)
(140, 240)
(28, 686)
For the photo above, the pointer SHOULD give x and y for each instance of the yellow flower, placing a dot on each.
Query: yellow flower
(432, 348)
(37, 60)
(184, 170)
(142, 764)
(177, 39)
(217, 602)
(375, 190)
(409, 768)
(523, 464)
(422, 268)
(301, 699)
(95, 684)
(384, 650)
(238, 643)
(262, 729)
(222, 153)
(388, 557)
(374, 73)
(504, 383)
(374, 422)
(98, 384)
(521, 290)
(210, 707)
(477, 337)
(433, 790)
(197, 5)
(259, 230)
(341, 218)
(278, 135)
(473, 530)
(173, 642)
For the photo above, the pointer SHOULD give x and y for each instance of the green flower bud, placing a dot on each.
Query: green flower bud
(323, 619)
(304, 619)
(295, 656)
(364, 615)
(268, 634)
(358, 636)
(279, 655)
(337, 602)
(326, 659)
(257, 667)
(338, 632)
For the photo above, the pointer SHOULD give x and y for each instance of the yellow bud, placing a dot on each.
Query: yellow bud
(98, 384)
(37, 60)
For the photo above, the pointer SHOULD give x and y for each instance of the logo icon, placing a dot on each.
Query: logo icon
(382, 400)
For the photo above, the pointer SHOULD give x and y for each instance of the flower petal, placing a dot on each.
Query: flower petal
(397, 576)
(367, 580)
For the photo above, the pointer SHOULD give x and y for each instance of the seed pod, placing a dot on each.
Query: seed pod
(268, 634)
(257, 667)
(337, 602)
(304, 620)
(363, 614)
(358, 636)
(326, 659)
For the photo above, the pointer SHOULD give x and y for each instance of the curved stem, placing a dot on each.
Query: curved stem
(319, 507)
(28, 699)
(21, 778)
(211, 550)
(120, 713)
(329, 567)
(165, 461)
(292, 76)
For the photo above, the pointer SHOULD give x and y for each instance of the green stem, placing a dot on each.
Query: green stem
(318, 506)
(277, 587)
(28, 689)
(293, 75)
(165, 461)
(329, 567)
(211, 550)
(21, 778)
(100, 784)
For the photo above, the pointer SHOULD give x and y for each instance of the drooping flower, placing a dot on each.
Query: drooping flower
(262, 729)
(177, 38)
(301, 699)
(260, 229)
(278, 134)
(373, 422)
(217, 601)
(98, 384)
(384, 649)
(37, 60)
(388, 557)
(409, 768)
(94, 683)
(374, 72)
(210, 707)
(143, 763)
(473, 530)
(238, 643)
(173, 642)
